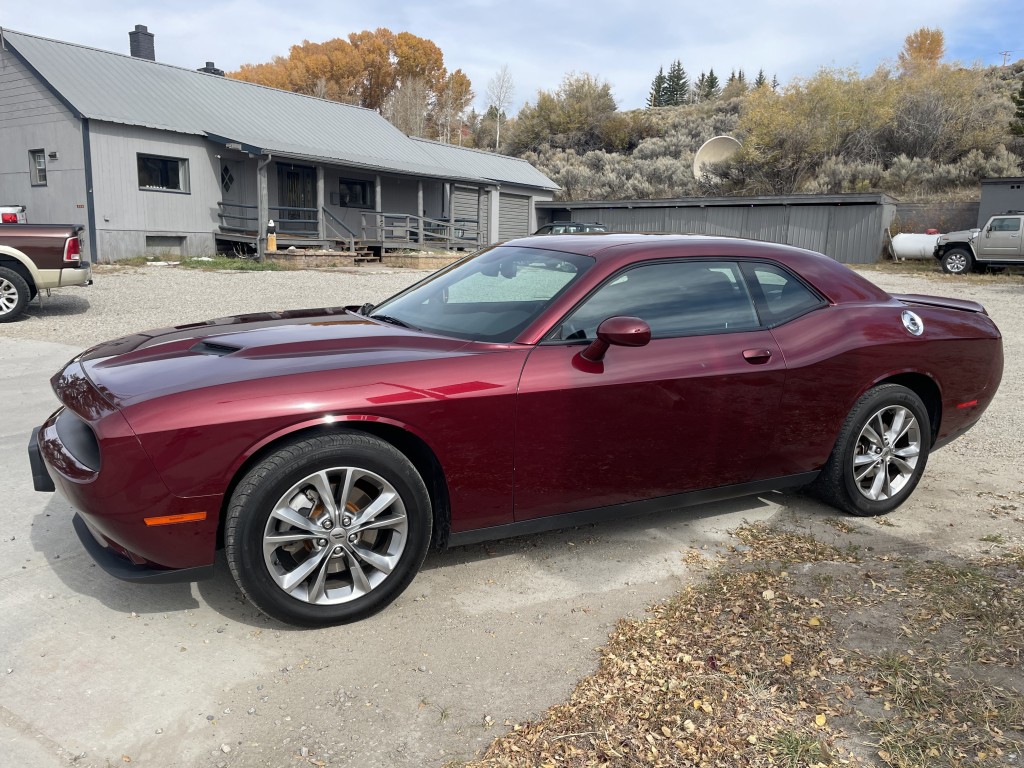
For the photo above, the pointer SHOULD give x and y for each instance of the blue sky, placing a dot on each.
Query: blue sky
(622, 42)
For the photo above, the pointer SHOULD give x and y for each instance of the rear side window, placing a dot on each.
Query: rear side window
(780, 296)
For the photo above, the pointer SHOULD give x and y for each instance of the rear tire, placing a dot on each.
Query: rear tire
(328, 529)
(880, 454)
(14, 294)
(957, 261)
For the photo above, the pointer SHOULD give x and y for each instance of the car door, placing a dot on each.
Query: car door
(692, 409)
(1002, 239)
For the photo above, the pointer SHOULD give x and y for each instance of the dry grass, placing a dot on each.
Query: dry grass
(796, 653)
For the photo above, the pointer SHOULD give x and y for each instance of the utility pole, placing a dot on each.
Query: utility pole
(1006, 56)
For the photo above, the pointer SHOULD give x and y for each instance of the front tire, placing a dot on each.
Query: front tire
(880, 454)
(328, 529)
(957, 261)
(15, 295)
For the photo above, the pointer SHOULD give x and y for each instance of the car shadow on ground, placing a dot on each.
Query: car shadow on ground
(54, 538)
(57, 305)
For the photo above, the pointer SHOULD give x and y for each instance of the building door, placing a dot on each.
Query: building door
(232, 194)
(296, 191)
(513, 216)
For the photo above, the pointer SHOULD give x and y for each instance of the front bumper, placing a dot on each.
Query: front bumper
(113, 507)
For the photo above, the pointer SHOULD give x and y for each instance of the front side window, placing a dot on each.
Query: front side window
(674, 298)
(37, 167)
(493, 296)
(169, 174)
(1009, 224)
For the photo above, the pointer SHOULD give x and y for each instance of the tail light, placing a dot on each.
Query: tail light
(8, 218)
(72, 249)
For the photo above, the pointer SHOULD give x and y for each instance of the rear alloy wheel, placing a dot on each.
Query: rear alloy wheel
(14, 294)
(328, 530)
(880, 454)
(957, 261)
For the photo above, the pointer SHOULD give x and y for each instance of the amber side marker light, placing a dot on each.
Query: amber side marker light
(188, 517)
(968, 404)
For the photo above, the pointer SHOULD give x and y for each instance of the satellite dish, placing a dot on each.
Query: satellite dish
(714, 151)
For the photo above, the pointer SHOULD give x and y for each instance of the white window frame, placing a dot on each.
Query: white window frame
(37, 171)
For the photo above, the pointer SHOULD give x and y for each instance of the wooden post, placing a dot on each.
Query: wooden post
(377, 206)
(321, 225)
(419, 211)
(262, 204)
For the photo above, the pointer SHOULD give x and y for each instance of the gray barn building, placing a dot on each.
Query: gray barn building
(850, 228)
(155, 158)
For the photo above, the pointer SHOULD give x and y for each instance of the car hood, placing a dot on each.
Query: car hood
(959, 236)
(247, 347)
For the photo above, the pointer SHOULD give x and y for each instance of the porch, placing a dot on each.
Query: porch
(343, 211)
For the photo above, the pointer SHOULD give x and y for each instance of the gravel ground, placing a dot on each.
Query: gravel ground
(190, 675)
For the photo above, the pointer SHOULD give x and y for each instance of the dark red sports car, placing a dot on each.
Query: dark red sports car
(545, 382)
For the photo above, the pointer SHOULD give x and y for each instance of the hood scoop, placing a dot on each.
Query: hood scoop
(213, 348)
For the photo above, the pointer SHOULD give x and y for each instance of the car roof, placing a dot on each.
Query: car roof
(835, 281)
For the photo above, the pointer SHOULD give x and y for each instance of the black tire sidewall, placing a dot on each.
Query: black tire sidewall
(264, 485)
(968, 261)
(867, 407)
(21, 287)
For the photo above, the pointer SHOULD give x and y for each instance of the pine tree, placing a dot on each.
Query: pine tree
(657, 89)
(677, 85)
(761, 80)
(1017, 124)
(712, 88)
(732, 77)
(741, 77)
(775, 83)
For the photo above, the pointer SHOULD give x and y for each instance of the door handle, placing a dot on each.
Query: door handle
(757, 356)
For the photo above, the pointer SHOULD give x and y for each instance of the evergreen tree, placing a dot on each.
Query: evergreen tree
(657, 89)
(677, 85)
(699, 88)
(1017, 124)
(775, 83)
(742, 78)
(732, 78)
(761, 80)
(712, 88)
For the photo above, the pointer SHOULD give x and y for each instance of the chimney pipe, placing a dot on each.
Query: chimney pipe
(141, 41)
(212, 69)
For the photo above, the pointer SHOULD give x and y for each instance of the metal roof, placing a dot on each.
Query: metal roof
(855, 198)
(117, 88)
(489, 165)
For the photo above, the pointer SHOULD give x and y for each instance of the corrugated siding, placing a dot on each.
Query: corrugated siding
(767, 223)
(513, 216)
(686, 221)
(728, 221)
(808, 227)
(854, 234)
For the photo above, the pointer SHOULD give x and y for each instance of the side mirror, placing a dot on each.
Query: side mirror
(619, 332)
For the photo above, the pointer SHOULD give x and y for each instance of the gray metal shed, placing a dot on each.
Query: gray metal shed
(1000, 196)
(849, 228)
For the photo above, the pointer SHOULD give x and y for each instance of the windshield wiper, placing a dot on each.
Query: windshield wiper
(392, 320)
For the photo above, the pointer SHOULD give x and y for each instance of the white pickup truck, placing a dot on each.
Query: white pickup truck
(997, 244)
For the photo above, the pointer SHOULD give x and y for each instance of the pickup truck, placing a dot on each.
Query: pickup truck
(997, 244)
(36, 257)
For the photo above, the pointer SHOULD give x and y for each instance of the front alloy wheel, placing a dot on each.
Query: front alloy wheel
(328, 529)
(957, 261)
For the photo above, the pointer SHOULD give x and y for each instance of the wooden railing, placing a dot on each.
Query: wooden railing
(398, 229)
(332, 221)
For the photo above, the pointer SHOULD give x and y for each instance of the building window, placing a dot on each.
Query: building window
(353, 194)
(169, 174)
(37, 167)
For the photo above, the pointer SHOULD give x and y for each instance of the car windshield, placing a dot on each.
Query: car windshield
(492, 296)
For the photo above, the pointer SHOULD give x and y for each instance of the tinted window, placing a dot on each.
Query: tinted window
(490, 297)
(675, 299)
(782, 297)
(1006, 225)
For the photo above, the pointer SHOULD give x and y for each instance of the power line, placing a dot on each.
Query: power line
(1006, 56)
